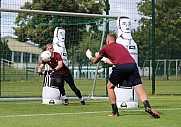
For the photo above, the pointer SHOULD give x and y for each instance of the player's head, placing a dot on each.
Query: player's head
(49, 47)
(111, 38)
(124, 24)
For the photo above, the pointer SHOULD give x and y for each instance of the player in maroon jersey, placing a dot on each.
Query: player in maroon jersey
(60, 73)
(124, 68)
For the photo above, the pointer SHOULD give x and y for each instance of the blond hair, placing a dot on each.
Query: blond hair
(48, 45)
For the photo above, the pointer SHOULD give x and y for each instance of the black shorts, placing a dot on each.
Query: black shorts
(128, 72)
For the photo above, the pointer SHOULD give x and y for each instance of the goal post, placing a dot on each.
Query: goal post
(97, 65)
(83, 31)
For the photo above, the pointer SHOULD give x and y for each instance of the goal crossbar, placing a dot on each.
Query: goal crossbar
(57, 13)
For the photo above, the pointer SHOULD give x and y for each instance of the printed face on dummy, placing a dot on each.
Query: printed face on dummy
(124, 28)
(61, 35)
(125, 25)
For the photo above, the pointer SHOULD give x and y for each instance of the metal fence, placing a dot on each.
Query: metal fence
(24, 33)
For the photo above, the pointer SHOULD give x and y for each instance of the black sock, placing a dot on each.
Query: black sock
(146, 104)
(114, 108)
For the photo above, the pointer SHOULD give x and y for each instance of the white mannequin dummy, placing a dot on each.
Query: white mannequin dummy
(125, 38)
(126, 96)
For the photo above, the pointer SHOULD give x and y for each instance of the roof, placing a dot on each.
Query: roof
(15, 45)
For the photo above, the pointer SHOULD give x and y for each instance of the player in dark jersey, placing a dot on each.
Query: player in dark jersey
(60, 73)
(124, 68)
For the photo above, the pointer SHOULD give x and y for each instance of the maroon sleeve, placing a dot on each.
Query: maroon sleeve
(102, 51)
(58, 56)
(42, 62)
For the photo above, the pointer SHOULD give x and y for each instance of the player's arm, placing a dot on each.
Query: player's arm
(60, 65)
(96, 59)
(60, 62)
(40, 69)
(106, 60)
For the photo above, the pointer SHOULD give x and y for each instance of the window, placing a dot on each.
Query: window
(17, 57)
(35, 58)
(26, 57)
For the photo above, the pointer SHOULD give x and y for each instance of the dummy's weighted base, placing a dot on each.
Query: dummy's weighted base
(127, 104)
(126, 97)
(51, 101)
(51, 96)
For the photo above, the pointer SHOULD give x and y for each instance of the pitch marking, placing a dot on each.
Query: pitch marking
(76, 113)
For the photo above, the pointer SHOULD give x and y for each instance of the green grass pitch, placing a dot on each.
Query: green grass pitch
(93, 114)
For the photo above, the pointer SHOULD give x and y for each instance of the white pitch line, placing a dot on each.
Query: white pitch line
(76, 113)
(54, 114)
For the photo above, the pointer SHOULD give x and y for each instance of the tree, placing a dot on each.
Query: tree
(167, 27)
(39, 28)
(77, 57)
(5, 51)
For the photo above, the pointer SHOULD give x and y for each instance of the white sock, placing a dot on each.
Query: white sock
(81, 99)
(64, 97)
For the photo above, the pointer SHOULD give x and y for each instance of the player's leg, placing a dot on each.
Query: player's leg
(63, 94)
(112, 99)
(143, 97)
(53, 83)
(137, 83)
(68, 78)
(141, 93)
(58, 82)
(116, 77)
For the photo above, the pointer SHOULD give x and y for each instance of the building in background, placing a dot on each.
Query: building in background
(23, 54)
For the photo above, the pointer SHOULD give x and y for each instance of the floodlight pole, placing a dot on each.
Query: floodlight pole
(153, 47)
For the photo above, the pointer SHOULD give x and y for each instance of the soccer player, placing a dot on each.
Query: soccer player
(60, 73)
(124, 68)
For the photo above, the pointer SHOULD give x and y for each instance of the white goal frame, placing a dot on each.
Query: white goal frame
(91, 96)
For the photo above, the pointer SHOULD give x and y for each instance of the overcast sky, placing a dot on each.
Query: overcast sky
(117, 8)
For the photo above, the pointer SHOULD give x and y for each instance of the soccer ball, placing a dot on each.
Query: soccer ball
(46, 56)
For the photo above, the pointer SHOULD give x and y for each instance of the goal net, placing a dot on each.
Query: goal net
(32, 30)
